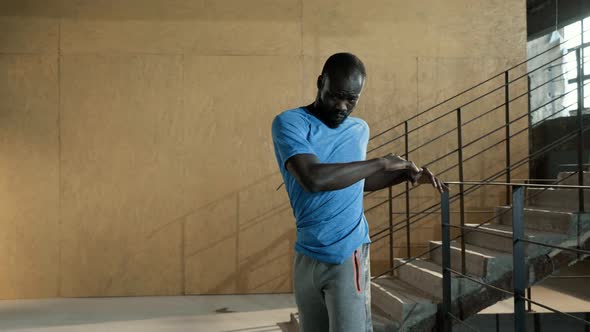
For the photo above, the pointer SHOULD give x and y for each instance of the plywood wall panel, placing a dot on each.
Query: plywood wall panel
(29, 176)
(126, 174)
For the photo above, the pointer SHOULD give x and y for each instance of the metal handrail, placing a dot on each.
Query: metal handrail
(486, 149)
(473, 156)
(532, 185)
(481, 137)
(479, 116)
(456, 196)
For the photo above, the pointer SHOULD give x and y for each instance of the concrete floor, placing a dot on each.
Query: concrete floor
(224, 313)
(220, 313)
(227, 313)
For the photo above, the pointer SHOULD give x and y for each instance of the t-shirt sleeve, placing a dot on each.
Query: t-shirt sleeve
(366, 139)
(366, 133)
(289, 135)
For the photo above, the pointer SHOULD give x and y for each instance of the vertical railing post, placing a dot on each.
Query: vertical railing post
(529, 295)
(446, 262)
(507, 116)
(518, 258)
(580, 87)
(530, 121)
(406, 156)
(537, 322)
(461, 188)
(390, 198)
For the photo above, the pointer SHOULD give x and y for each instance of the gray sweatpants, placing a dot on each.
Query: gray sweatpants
(332, 297)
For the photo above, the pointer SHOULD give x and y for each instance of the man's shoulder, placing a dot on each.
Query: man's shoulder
(359, 122)
(293, 117)
(294, 113)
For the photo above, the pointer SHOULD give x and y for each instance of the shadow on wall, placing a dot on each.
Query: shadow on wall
(240, 243)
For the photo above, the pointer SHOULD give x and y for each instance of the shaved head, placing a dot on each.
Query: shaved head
(339, 88)
(343, 65)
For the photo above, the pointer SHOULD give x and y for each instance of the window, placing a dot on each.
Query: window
(575, 35)
(554, 78)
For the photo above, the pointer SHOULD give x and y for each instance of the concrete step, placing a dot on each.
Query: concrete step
(503, 244)
(400, 302)
(477, 259)
(423, 275)
(556, 199)
(571, 178)
(381, 323)
(542, 220)
(427, 276)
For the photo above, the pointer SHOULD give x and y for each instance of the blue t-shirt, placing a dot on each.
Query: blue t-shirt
(330, 224)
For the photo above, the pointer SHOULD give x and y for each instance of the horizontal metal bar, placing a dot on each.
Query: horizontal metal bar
(580, 251)
(540, 107)
(389, 129)
(411, 131)
(477, 229)
(432, 140)
(386, 143)
(376, 206)
(583, 45)
(557, 311)
(569, 277)
(407, 261)
(541, 180)
(466, 211)
(575, 80)
(441, 158)
(480, 282)
(486, 135)
(483, 183)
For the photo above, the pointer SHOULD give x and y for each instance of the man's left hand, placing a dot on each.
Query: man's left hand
(426, 176)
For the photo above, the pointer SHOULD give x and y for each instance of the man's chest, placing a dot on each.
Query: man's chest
(338, 146)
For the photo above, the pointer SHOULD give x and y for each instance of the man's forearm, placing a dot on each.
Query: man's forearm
(382, 179)
(334, 176)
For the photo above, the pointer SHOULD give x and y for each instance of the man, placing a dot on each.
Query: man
(321, 153)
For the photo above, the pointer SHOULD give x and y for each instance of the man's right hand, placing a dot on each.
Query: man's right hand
(396, 163)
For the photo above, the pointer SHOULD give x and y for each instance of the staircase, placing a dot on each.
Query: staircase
(409, 301)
